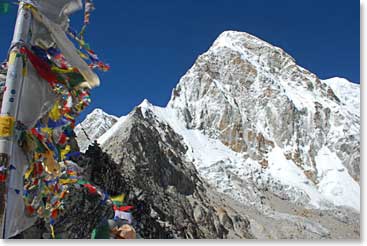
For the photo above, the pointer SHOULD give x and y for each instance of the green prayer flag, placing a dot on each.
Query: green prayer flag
(82, 182)
(75, 79)
(102, 232)
(118, 204)
(4, 8)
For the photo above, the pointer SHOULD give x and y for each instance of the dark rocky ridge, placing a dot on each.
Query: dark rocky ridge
(170, 199)
(151, 155)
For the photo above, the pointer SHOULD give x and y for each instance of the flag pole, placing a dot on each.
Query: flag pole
(10, 104)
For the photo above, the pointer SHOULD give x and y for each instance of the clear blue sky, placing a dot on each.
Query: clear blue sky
(151, 44)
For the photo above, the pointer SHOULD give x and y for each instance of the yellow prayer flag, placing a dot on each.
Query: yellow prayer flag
(55, 112)
(12, 57)
(119, 198)
(67, 181)
(29, 171)
(65, 151)
(51, 165)
(6, 126)
(47, 130)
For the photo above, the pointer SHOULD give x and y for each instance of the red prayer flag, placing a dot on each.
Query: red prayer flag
(43, 68)
(90, 188)
(2, 178)
(123, 208)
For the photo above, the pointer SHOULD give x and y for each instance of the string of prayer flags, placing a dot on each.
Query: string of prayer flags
(89, 8)
(43, 68)
(51, 173)
(45, 178)
(91, 55)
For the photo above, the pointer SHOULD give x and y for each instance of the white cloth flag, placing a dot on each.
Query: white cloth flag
(68, 50)
(36, 100)
(37, 97)
(124, 216)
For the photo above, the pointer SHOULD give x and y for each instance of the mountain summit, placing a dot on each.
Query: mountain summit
(279, 146)
(256, 100)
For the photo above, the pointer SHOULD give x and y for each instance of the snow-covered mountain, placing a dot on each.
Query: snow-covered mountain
(94, 126)
(255, 99)
(348, 93)
(262, 130)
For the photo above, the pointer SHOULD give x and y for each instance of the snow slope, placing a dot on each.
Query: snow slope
(348, 92)
(336, 185)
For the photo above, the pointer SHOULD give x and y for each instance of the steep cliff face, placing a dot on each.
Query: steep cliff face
(250, 145)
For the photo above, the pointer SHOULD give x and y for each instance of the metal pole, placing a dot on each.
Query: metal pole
(11, 102)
